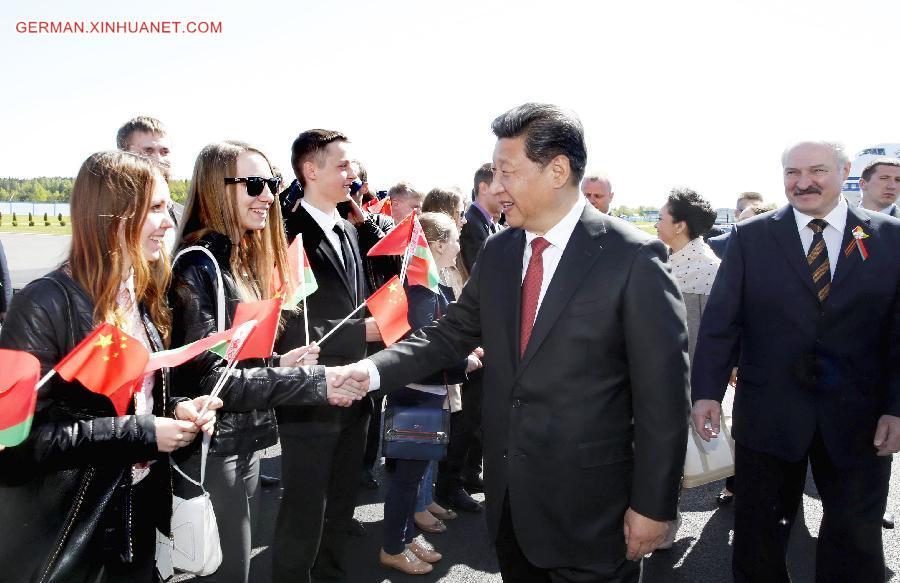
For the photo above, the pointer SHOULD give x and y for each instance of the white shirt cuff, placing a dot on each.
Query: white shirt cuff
(374, 377)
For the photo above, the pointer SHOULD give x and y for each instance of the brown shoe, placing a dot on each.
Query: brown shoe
(440, 512)
(426, 554)
(436, 527)
(406, 562)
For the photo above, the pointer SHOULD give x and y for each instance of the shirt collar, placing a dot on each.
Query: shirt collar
(559, 234)
(325, 221)
(889, 208)
(837, 218)
(487, 215)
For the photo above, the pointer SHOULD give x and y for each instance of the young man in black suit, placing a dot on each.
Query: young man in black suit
(322, 450)
(585, 422)
(811, 295)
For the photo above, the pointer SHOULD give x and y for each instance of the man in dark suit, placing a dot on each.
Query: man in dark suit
(811, 294)
(719, 241)
(585, 422)
(322, 450)
(880, 185)
(460, 473)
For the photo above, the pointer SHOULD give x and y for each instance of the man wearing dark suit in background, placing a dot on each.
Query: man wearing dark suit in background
(460, 473)
(811, 294)
(585, 422)
(880, 185)
(719, 243)
(322, 450)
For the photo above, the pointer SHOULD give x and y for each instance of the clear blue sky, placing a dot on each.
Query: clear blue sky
(702, 94)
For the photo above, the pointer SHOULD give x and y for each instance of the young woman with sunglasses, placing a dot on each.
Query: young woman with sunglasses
(230, 212)
(82, 497)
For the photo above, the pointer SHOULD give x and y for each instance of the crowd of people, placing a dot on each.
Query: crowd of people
(565, 346)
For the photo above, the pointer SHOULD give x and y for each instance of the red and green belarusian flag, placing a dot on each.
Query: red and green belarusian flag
(17, 395)
(408, 239)
(303, 282)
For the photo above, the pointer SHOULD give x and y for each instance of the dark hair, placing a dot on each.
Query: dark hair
(549, 131)
(688, 206)
(309, 145)
(141, 123)
(485, 173)
(872, 167)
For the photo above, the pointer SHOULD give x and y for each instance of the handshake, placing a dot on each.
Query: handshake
(347, 384)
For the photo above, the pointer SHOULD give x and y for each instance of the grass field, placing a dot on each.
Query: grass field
(38, 228)
(646, 227)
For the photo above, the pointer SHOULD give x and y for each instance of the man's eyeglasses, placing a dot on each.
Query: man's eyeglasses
(255, 184)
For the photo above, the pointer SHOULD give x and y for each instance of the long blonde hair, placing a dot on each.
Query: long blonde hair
(112, 194)
(211, 206)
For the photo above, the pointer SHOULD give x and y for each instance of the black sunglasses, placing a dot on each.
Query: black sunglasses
(255, 184)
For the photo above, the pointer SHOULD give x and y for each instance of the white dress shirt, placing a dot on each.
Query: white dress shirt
(558, 236)
(833, 233)
(327, 224)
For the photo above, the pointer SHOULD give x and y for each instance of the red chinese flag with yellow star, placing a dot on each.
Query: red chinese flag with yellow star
(108, 362)
(389, 308)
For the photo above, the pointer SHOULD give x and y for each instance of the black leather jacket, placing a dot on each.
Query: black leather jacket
(69, 484)
(246, 422)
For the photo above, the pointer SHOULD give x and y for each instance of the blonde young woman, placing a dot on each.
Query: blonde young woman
(230, 213)
(399, 551)
(82, 497)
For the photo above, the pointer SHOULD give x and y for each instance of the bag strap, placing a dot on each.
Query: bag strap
(220, 288)
(204, 452)
(220, 325)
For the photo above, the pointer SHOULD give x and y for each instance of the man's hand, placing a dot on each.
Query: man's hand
(303, 355)
(707, 415)
(190, 411)
(642, 535)
(373, 332)
(356, 215)
(346, 384)
(473, 363)
(887, 435)
(172, 433)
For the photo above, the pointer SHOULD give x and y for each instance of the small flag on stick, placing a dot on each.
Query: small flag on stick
(389, 307)
(17, 395)
(106, 362)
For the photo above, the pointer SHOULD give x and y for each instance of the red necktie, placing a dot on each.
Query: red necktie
(531, 291)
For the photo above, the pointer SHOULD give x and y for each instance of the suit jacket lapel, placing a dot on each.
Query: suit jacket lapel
(579, 256)
(321, 243)
(784, 228)
(846, 263)
(509, 274)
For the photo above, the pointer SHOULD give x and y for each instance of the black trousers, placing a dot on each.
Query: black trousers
(768, 495)
(320, 477)
(516, 568)
(464, 451)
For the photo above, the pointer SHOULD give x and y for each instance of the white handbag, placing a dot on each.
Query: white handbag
(710, 461)
(194, 545)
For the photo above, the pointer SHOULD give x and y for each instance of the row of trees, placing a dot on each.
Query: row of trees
(627, 211)
(59, 189)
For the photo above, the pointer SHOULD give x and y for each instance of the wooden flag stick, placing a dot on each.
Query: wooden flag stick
(303, 288)
(45, 378)
(333, 330)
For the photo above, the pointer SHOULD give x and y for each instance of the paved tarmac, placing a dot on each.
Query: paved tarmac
(30, 255)
(702, 551)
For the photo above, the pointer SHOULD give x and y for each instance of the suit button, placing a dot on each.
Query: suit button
(505, 454)
(517, 403)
